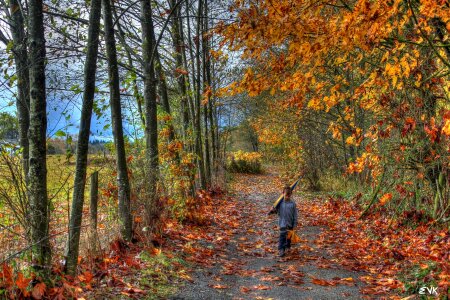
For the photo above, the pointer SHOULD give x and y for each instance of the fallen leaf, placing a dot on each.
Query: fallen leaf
(38, 290)
(323, 282)
(220, 286)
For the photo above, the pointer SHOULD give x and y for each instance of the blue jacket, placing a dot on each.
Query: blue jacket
(287, 213)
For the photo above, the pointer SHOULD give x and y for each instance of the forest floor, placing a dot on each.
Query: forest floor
(245, 264)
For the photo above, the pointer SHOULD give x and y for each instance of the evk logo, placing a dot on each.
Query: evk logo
(432, 290)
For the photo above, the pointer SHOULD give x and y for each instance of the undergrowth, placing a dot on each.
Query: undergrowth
(161, 273)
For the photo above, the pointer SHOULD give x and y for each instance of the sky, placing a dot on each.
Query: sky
(64, 112)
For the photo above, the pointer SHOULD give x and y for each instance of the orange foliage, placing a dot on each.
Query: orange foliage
(348, 58)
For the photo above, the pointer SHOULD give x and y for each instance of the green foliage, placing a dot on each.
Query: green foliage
(245, 162)
(8, 126)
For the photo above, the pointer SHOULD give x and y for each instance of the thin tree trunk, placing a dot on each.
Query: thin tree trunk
(215, 121)
(197, 127)
(151, 128)
(178, 45)
(137, 95)
(90, 69)
(205, 121)
(17, 25)
(163, 93)
(93, 210)
(207, 90)
(207, 61)
(37, 176)
(192, 86)
(182, 79)
(116, 117)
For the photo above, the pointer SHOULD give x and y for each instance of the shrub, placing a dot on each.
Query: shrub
(244, 162)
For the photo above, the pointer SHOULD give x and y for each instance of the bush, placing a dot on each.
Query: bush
(244, 162)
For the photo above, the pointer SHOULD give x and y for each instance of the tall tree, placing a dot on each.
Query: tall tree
(116, 118)
(206, 92)
(151, 126)
(179, 73)
(37, 176)
(90, 68)
(197, 122)
(19, 50)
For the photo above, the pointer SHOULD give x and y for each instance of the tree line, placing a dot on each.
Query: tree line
(154, 54)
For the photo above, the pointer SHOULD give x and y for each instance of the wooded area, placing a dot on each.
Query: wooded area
(150, 109)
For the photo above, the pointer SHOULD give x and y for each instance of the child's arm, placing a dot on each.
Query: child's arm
(295, 215)
(274, 209)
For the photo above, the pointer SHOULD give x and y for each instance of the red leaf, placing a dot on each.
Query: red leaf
(181, 71)
(6, 274)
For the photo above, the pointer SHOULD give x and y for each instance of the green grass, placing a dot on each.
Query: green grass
(161, 275)
(419, 276)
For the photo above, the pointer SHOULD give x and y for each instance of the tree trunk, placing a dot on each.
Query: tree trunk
(163, 93)
(214, 119)
(93, 210)
(116, 117)
(90, 68)
(192, 86)
(197, 126)
(178, 45)
(137, 95)
(37, 176)
(20, 54)
(207, 90)
(151, 128)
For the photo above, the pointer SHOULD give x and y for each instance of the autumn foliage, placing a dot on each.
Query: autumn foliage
(369, 78)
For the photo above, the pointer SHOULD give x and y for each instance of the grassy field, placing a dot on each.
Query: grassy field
(60, 178)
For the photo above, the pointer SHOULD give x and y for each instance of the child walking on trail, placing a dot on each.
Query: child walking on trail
(287, 214)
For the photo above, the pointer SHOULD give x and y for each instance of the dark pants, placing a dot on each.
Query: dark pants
(284, 242)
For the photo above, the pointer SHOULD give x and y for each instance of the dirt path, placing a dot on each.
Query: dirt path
(247, 267)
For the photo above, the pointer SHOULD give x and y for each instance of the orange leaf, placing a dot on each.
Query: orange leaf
(322, 282)
(39, 290)
(385, 198)
(22, 283)
(261, 287)
(220, 286)
(86, 277)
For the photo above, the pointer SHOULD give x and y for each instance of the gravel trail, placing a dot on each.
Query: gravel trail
(249, 267)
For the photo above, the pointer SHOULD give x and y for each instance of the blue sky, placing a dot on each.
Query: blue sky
(64, 114)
